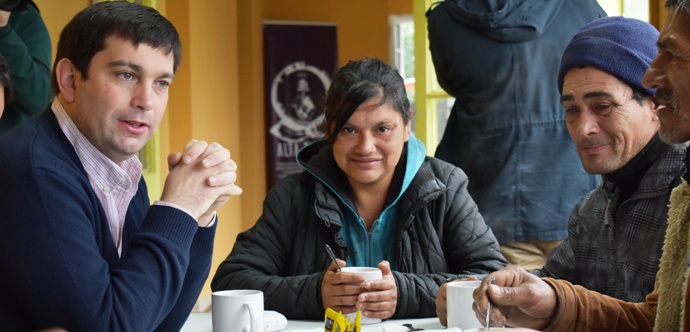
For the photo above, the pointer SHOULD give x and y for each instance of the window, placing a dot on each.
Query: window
(402, 52)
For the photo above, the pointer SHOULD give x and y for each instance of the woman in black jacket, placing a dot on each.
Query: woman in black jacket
(371, 193)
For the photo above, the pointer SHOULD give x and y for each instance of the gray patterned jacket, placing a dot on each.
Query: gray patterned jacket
(619, 257)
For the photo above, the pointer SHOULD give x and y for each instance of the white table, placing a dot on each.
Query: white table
(201, 322)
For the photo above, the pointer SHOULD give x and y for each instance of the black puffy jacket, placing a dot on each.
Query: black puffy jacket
(440, 235)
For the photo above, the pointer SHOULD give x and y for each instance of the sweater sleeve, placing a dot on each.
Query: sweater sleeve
(64, 270)
(25, 43)
(580, 309)
(197, 272)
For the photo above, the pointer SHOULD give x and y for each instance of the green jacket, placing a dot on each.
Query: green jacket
(25, 42)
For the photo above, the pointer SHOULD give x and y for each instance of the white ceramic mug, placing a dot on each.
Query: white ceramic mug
(369, 273)
(459, 304)
(239, 310)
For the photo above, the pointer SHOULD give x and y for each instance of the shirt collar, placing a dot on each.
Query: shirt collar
(103, 173)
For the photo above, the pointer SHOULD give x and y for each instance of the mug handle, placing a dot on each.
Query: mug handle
(254, 325)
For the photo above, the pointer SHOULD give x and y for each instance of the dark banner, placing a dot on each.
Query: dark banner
(299, 60)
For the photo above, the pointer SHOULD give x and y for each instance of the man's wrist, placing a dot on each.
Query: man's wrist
(207, 219)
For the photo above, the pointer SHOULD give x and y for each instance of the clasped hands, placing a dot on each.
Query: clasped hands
(201, 179)
(347, 292)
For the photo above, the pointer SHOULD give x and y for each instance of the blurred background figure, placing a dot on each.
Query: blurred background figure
(7, 91)
(500, 60)
(25, 43)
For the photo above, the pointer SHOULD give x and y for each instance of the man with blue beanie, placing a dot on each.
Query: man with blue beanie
(616, 232)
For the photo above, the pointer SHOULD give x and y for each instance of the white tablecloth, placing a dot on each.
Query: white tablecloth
(201, 322)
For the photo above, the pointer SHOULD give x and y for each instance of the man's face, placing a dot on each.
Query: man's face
(369, 146)
(669, 74)
(121, 103)
(609, 127)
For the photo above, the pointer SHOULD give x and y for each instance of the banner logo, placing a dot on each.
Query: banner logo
(293, 92)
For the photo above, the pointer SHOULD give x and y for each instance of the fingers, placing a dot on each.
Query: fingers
(380, 297)
(216, 154)
(193, 150)
(378, 304)
(225, 176)
(4, 17)
(235, 190)
(174, 159)
(334, 267)
(213, 153)
(519, 298)
(202, 178)
(441, 302)
(496, 318)
(509, 276)
(339, 290)
(385, 267)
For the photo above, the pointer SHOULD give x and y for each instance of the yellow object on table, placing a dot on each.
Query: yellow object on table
(337, 322)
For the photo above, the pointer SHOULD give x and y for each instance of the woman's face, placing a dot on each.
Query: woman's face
(369, 145)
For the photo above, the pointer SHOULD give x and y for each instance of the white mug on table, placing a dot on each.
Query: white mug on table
(369, 273)
(239, 310)
(459, 304)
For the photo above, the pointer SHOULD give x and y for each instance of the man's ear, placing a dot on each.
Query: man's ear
(66, 76)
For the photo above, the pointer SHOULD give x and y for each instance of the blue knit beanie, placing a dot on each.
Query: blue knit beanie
(622, 47)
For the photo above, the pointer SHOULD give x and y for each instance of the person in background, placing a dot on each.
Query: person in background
(80, 245)
(370, 192)
(523, 299)
(7, 91)
(25, 42)
(499, 59)
(616, 233)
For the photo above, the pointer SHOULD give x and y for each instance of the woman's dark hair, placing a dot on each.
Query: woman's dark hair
(86, 33)
(6, 80)
(357, 82)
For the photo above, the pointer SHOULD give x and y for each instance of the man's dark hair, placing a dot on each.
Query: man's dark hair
(357, 82)
(86, 33)
(639, 95)
(6, 80)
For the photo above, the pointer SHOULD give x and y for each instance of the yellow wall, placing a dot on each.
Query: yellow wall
(56, 14)
(205, 105)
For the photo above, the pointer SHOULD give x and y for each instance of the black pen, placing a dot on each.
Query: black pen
(330, 253)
